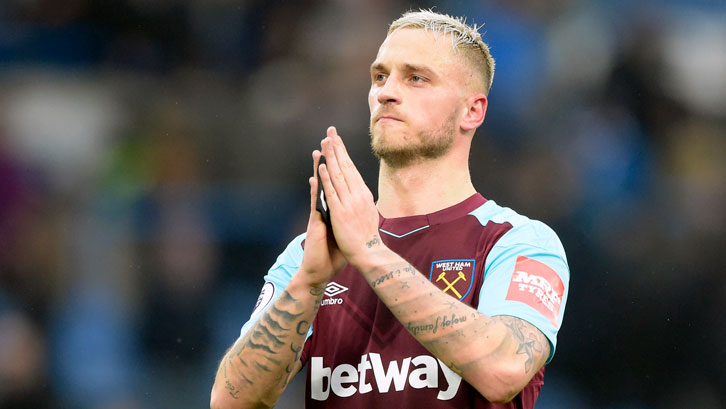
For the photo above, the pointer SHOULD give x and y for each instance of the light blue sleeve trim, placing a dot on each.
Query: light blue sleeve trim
(529, 238)
(279, 275)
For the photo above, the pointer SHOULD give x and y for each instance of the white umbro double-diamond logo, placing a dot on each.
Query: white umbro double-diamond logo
(333, 289)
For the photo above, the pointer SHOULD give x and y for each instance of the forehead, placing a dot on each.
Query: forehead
(418, 47)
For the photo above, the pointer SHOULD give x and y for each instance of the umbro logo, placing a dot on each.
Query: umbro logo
(333, 289)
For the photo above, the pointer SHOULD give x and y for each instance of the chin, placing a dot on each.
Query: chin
(387, 141)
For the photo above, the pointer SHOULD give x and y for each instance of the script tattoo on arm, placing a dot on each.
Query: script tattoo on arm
(395, 273)
(531, 342)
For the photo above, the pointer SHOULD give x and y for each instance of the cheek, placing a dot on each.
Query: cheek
(372, 101)
(441, 109)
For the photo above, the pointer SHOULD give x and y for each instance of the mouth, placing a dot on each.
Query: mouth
(388, 118)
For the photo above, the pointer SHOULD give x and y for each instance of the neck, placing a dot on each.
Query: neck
(424, 187)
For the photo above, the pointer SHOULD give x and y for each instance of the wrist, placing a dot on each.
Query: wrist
(303, 283)
(373, 257)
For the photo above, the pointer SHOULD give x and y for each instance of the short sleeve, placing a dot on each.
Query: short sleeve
(276, 280)
(526, 276)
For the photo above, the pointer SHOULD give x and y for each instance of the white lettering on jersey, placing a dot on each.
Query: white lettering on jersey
(319, 372)
(453, 265)
(384, 378)
(539, 286)
(342, 379)
(331, 301)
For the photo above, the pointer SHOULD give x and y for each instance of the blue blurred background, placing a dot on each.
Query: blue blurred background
(154, 157)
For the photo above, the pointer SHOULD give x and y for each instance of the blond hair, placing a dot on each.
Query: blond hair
(463, 36)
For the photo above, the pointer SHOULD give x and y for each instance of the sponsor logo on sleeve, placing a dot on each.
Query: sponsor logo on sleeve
(454, 277)
(538, 286)
(268, 291)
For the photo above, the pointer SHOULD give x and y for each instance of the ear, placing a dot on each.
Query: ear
(476, 107)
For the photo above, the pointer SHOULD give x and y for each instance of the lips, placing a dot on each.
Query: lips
(388, 117)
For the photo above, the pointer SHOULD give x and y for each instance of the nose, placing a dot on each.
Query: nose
(389, 92)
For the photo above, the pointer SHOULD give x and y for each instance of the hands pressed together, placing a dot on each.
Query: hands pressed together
(353, 214)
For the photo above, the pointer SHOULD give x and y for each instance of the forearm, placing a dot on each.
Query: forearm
(258, 367)
(496, 355)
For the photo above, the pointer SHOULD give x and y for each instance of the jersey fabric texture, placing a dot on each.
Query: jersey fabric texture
(358, 355)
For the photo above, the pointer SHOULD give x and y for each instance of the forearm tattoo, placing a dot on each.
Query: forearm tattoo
(272, 344)
(407, 270)
(444, 324)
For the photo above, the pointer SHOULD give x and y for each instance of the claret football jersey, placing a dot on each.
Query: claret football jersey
(358, 355)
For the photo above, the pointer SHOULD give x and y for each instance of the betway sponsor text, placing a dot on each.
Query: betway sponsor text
(371, 374)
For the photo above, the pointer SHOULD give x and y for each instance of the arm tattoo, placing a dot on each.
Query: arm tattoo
(260, 346)
(455, 369)
(263, 331)
(301, 330)
(232, 390)
(284, 315)
(296, 351)
(529, 344)
(378, 281)
(373, 242)
(266, 361)
(441, 322)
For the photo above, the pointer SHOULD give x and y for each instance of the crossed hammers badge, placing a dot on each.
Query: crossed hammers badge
(450, 285)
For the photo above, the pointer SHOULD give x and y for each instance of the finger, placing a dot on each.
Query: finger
(313, 193)
(331, 193)
(336, 176)
(316, 160)
(313, 181)
(347, 167)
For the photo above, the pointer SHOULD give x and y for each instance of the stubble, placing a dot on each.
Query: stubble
(427, 145)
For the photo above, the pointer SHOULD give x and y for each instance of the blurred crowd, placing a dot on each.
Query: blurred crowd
(154, 157)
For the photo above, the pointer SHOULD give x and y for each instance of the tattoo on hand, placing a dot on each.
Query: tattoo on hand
(373, 242)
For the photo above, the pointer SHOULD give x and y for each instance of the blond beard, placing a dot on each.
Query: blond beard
(429, 145)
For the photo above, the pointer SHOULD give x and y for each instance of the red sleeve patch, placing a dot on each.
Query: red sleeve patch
(538, 286)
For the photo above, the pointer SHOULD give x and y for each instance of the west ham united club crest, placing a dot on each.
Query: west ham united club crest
(454, 277)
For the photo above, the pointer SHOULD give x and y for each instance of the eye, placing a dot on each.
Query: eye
(379, 77)
(416, 78)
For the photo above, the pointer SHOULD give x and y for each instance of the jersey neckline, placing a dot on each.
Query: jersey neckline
(401, 226)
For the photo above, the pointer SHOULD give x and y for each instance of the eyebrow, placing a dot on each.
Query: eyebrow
(377, 67)
(408, 68)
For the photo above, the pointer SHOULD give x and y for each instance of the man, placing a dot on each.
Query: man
(430, 296)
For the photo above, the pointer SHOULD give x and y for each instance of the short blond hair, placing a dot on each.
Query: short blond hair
(464, 37)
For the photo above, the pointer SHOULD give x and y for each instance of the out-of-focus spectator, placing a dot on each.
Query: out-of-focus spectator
(23, 360)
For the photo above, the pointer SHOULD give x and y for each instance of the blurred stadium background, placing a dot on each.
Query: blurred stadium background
(154, 157)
